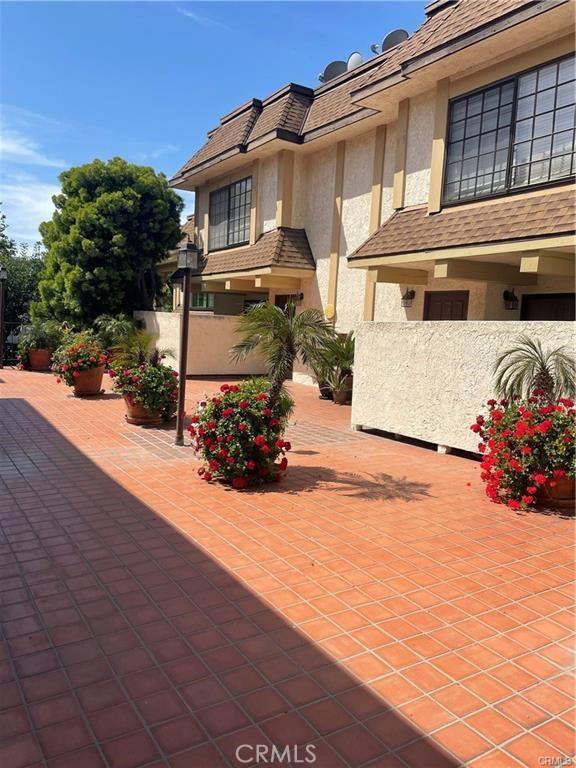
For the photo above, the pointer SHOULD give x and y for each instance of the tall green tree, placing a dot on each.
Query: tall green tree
(23, 268)
(113, 222)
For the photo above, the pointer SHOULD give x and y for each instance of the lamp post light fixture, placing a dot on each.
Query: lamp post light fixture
(510, 299)
(187, 261)
(3, 279)
(408, 297)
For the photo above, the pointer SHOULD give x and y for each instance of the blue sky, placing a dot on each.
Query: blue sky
(146, 80)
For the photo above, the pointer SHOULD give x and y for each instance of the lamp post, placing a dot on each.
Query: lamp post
(3, 278)
(187, 260)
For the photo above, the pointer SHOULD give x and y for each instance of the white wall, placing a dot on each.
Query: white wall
(210, 340)
(429, 380)
(356, 196)
(267, 191)
(419, 148)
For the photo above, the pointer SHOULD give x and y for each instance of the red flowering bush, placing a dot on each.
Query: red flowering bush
(81, 355)
(152, 385)
(525, 444)
(239, 433)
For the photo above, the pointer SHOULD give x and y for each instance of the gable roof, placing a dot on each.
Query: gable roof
(514, 218)
(295, 113)
(281, 247)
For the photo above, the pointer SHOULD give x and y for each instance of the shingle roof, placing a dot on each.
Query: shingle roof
(514, 218)
(281, 247)
(187, 230)
(295, 111)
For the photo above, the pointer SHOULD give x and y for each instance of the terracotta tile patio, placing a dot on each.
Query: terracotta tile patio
(373, 604)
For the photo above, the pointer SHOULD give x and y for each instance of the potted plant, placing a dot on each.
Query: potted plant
(149, 388)
(240, 434)
(527, 449)
(80, 363)
(340, 384)
(527, 366)
(37, 342)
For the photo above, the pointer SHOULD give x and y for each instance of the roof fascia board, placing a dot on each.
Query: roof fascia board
(462, 252)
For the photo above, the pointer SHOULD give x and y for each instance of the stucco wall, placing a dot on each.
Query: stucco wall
(419, 148)
(356, 196)
(210, 340)
(267, 190)
(429, 380)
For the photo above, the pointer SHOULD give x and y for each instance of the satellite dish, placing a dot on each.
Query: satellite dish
(394, 38)
(354, 60)
(333, 69)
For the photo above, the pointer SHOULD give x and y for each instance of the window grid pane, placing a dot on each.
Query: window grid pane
(229, 215)
(536, 111)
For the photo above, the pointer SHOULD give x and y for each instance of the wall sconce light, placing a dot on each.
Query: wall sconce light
(408, 297)
(510, 299)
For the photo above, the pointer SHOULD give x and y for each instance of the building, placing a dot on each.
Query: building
(425, 199)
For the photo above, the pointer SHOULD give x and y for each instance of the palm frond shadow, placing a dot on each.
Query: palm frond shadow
(378, 486)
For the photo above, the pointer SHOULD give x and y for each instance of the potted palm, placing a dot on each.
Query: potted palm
(37, 342)
(332, 364)
(80, 363)
(149, 388)
(528, 436)
(282, 336)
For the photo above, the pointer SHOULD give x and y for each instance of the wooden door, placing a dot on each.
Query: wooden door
(547, 306)
(446, 305)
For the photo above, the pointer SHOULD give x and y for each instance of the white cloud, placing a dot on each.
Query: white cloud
(26, 201)
(17, 148)
(201, 19)
(159, 151)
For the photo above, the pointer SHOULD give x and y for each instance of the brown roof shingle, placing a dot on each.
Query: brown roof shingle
(413, 229)
(281, 247)
(299, 111)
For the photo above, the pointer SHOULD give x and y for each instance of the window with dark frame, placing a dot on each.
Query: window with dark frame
(515, 134)
(229, 215)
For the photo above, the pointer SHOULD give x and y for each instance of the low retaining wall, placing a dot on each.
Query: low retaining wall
(210, 340)
(429, 380)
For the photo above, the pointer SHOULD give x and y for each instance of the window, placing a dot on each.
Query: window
(202, 301)
(229, 215)
(516, 134)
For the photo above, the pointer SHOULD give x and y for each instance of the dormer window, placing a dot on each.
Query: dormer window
(229, 215)
(515, 134)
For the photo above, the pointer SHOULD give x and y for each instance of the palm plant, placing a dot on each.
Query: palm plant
(527, 366)
(281, 336)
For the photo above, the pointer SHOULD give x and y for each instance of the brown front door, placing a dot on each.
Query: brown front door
(446, 305)
(547, 306)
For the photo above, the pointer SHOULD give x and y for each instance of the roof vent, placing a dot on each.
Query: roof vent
(437, 5)
(391, 40)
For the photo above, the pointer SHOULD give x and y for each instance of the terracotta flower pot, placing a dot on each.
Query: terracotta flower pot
(137, 414)
(559, 496)
(39, 359)
(325, 391)
(340, 396)
(89, 382)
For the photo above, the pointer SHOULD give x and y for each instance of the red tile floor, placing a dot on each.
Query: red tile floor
(372, 606)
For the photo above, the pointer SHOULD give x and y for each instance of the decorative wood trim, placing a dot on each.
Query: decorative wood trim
(377, 175)
(485, 271)
(284, 190)
(336, 226)
(544, 264)
(278, 281)
(254, 207)
(397, 275)
(400, 160)
(370, 294)
(438, 145)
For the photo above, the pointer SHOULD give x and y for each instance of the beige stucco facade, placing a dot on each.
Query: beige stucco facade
(429, 381)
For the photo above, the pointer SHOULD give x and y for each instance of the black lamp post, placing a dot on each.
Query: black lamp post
(3, 278)
(187, 260)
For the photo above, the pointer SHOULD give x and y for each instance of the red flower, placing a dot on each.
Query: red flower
(515, 464)
(528, 499)
(229, 438)
(259, 440)
(559, 473)
(544, 426)
(227, 412)
(491, 403)
(233, 388)
(283, 464)
(513, 504)
(243, 404)
(207, 476)
(526, 450)
(498, 415)
(224, 387)
(476, 428)
(75, 374)
(262, 396)
(216, 400)
(532, 489)
(250, 464)
(265, 449)
(242, 426)
(539, 478)
(201, 471)
(287, 445)
(273, 422)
